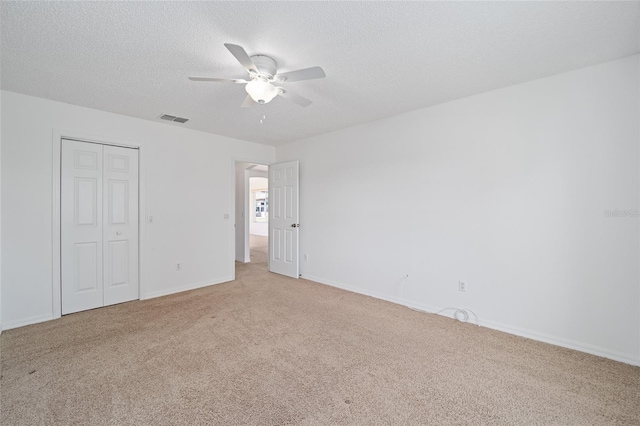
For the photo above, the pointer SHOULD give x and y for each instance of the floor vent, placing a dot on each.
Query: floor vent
(173, 118)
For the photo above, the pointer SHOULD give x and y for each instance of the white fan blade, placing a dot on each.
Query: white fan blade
(296, 99)
(247, 102)
(299, 75)
(242, 57)
(220, 80)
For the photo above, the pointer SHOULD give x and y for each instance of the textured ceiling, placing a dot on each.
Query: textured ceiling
(381, 58)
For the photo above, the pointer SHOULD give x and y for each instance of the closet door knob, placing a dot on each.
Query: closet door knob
(119, 233)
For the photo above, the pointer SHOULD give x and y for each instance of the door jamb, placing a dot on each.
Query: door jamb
(58, 135)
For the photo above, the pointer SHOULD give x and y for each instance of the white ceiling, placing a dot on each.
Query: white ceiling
(381, 58)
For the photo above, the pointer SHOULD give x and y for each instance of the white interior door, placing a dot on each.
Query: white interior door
(120, 189)
(81, 226)
(283, 219)
(99, 225)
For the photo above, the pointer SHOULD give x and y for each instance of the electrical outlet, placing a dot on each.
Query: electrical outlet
(178, 267)
(226, 215)
(306, 257)
(150, 219)
(462, 286)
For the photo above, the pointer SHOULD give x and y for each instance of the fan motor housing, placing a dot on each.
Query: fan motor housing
(266, 65)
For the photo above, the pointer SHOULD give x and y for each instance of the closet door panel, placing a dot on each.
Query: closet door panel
(81, 243)
(120, 187)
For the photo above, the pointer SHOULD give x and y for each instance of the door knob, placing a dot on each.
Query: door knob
(295, 225)
(118, 232)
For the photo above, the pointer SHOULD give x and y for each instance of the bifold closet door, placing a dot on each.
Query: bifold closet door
(120, 191)
(99, 225)
(81, 226)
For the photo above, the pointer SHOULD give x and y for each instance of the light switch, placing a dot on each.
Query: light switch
(150, 219)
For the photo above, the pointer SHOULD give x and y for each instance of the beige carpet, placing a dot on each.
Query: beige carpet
(258, 247)
(268, 350)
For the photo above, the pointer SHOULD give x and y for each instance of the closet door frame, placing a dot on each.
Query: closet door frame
(58, 135)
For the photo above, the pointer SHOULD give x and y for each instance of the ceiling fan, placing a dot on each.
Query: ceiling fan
(263, 77)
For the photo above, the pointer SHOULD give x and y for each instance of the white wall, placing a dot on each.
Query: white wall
(505, 190)
(0, 213)
(189, 188)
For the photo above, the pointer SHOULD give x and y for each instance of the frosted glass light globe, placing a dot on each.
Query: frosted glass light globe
(261, 91)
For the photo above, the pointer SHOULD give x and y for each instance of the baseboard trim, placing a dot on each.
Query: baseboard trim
(26, 321)
(377, 295)
(562, 342)
(35, 320)
(518, 331)
(154, 294)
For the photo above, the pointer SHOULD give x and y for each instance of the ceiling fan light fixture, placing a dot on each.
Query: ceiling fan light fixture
(263, 73)
(261, 91)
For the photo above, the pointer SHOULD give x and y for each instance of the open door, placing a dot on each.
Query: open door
(283, 219)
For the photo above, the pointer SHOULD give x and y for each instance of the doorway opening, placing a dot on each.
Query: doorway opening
(259, 219)
(252, 213)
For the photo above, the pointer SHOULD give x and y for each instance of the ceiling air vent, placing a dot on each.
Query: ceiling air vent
(173, 118)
